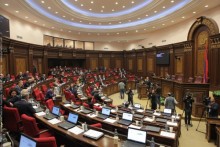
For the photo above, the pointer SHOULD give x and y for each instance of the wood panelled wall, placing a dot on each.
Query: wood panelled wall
(19, 56)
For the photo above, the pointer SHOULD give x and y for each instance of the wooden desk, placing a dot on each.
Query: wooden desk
(142, 91)
(211, 124)
(179, 89)
(218, 136)
(122, 129)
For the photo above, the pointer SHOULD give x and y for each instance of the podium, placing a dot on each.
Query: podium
(142, 91)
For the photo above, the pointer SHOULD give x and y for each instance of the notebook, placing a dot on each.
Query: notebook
(126, 119)
(71, 121)
(161, 120)
(86, 111)
(139, 116)
(105, 113)
(55, 113)
(136, 138)
(26, 141)
(74, 106)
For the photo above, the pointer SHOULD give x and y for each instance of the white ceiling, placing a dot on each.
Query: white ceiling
(106, 17)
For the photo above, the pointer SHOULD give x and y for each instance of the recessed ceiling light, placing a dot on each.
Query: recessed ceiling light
(101, 10)
(6, 4)
(139, 18)
(35, 21)
(103, 6)
(164, 7)
(52, 27)
(113, 10)
(90, 9)
(76, 0)
(153, 27)
(80, 21)
(26, 17)
(92, 2)
(183, 17)
(17, 11)
(132, 2)
(69, 31)
(206, 6)
(155, 11)
(123, 6)
(172, 1)
(117, 33)
(43, 24)
(49, 7)
(42, 2)
(90, 23)
(126, 32)
(81, 5)
(72, 18)
(194, 12)
(64, 16)
(129, 20)
(163, 24)
(146, 15)
(145, 29)
(109, 23)
(136, 31)
(56, 12)
(119, 22)
(172, 21)
(116, 3)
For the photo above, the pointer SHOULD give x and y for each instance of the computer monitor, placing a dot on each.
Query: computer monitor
(106, 111)
(168, 111)
(127, 116)
(26, 141)
(73, 118)
(137, 105)
(56, 110)
(137, 135)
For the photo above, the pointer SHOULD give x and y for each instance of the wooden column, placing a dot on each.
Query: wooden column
(45, 62)
(11, 59)
(30, 59)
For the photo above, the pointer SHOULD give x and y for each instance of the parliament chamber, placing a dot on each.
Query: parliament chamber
(110, 74)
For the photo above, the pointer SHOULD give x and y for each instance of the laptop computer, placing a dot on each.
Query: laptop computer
(105, 113)
(167, 112)
(86, 111)
(75, 106)
(161, 120)
(26, 141)
(55, 113)
(139, 116)
(152, 128)
(71, 121)
(137, 106)
(126, 119)
(136, 138)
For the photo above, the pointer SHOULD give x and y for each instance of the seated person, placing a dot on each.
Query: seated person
(13, 96)
(23, 106)
(19, 76)
(73, 89)
(19, 87)
(28, 83)
(43, 77)
(95, 93)
(213, 108)
(49, 94)
(90, 103)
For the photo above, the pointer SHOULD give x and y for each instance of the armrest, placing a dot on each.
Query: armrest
(43, 131)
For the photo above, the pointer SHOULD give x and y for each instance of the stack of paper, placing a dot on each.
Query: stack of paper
(67, 105)
(140, 110)
(156, 114)
(54, 121)
(148, 119)
(133, 126)
(113, 110)
(76, 130)
(110, 120)
(91, 115)
(171, 123)
(175, 117)
(167, 134)
(97, 104)
(40, 113)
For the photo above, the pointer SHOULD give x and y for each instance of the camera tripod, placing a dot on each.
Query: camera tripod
(204, 112)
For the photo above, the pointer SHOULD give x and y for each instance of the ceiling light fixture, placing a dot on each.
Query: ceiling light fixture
(183, 17)
(194, 12)
(136, 31)
(113, 10)
(35, 21)
(42, 2)
(117, 33)
(139, 18)
(90, 9)
(101, 10)
(153, 27)
(206, 6)
(49, 7)
(164, 7)
(81, 5)
(163, 24)
(17, 11)
(116, 3)
(155, 11)
(80, 21)
(147, 15)
(103, 6)
(90, 23)
(109, 23)
(64, 16)
(123, 6)
(92, 2)
(172, 1)
(26, 17)
(132, 2)
(172, 21)
(52, 27)
(119, 22)
(6, 4)
(56, 12)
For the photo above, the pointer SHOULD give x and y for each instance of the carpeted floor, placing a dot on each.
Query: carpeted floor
(190, 138)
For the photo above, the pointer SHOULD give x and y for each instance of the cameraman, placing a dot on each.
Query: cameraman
(188, 108)
(213, 108)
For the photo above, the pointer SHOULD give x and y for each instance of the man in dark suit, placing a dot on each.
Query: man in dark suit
(213, 108)
(23, 106)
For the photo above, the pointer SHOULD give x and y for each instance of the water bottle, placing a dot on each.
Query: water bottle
(166, 127)
(115, 137)
(86, 127)
(152, 143)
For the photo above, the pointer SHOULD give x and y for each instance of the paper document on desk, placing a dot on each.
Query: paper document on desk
(35, 107)
(67, 105)
(97, 104)
(93, 134)
(175, 117)
(133, 126)
(110, 120)
(40, 113)
(148, 119)
(157, 114)
(91, 115)
(140, 110)
(54, 121)
(76, 130)
(167, 134)
(113, 111)
(171, 123)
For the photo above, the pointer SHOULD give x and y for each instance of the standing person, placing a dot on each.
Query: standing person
(158, 94)
(121, 86)
(23, 106)
(170, 102)
(188, 100)
(152, 97)
(130, 96)
(213, 108)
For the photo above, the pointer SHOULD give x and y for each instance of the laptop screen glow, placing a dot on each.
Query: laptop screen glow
(106, 111)
(137, 105)
(27, 142)
(137, 135)
(127, 116)
(56, 110)
(73, 118)
(167, 111)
